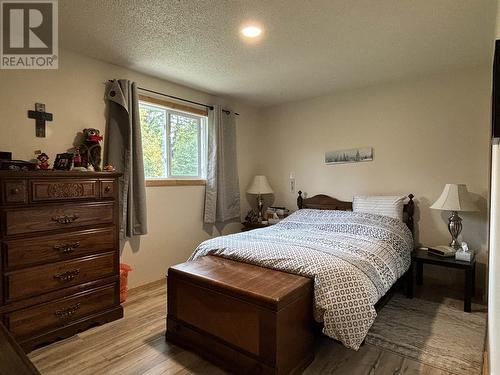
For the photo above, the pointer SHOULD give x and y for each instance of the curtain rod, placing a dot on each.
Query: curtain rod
(210, 107)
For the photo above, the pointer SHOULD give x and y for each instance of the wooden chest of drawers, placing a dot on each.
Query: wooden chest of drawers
(59, 253)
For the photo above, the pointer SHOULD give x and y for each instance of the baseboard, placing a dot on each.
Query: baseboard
(147, 286)
(486, 364)
(486, 358)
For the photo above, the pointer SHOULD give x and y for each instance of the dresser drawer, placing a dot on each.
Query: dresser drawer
(64, 189)
(108, 188)
(42, 279)
(14, 191)
(38, 219)
(25, 252)
(55, 314)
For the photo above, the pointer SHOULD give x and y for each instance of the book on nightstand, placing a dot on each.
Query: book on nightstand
(463, 254)
(442, 250)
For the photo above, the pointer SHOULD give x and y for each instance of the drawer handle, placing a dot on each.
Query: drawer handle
(67, 248)
(67, 276)
(107, 189)
(67, 312)
(65, 219)
(15, 191)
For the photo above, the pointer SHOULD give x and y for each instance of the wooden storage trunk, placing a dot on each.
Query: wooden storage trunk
(245, 318)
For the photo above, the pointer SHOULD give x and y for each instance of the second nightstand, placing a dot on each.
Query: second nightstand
(421, 256)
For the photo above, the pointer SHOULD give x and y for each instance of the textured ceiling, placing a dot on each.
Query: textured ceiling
(309, 47)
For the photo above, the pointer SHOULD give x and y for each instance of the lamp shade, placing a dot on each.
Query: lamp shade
(259, 185)
(454, 197)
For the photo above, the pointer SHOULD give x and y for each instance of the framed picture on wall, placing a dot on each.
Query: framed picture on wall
(353, 155)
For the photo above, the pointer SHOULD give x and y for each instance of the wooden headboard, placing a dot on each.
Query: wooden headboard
(325, 202)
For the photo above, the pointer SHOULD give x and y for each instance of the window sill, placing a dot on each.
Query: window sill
(177, 182)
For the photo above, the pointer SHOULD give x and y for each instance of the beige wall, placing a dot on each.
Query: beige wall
(425, 132)
(75, 94)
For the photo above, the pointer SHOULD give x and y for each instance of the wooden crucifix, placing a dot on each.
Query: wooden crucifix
(40, 116)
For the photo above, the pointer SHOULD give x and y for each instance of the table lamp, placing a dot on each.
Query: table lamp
(454, 198)
(260, 186)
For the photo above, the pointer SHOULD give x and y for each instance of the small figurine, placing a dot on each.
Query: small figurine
(91, 149)
(109, 168)
(77, 159)
(42, 161)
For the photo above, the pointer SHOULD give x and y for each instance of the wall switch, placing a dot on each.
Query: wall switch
(292, 182)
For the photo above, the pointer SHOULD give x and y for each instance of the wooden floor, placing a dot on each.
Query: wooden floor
(136, 345)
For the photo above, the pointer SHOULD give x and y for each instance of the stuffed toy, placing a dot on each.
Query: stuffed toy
(90, 150)
(42, 161)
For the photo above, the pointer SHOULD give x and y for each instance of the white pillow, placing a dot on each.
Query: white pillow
(381, 205)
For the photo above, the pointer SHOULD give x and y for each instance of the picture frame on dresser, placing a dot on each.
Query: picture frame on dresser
(59, 259)
(63, 161)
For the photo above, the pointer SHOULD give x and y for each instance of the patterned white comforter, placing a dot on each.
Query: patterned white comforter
(353, 258)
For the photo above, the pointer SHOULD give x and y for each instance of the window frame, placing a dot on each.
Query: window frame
(180, 110)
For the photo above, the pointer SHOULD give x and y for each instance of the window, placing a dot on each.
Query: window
(173, 142)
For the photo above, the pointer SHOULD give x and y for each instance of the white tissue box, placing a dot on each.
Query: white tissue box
(464, 256)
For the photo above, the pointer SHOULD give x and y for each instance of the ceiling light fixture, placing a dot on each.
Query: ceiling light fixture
(251, 31)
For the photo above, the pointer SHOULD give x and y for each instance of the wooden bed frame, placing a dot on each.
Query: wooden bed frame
(325, 202)
(250, 319)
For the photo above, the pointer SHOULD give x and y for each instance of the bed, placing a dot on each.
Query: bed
(353, 258)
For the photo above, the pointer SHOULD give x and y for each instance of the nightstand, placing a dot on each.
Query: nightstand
(249, 226)
(421, 257)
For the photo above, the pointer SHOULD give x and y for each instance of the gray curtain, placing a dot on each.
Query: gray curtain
(124, 152)
(222, 193)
